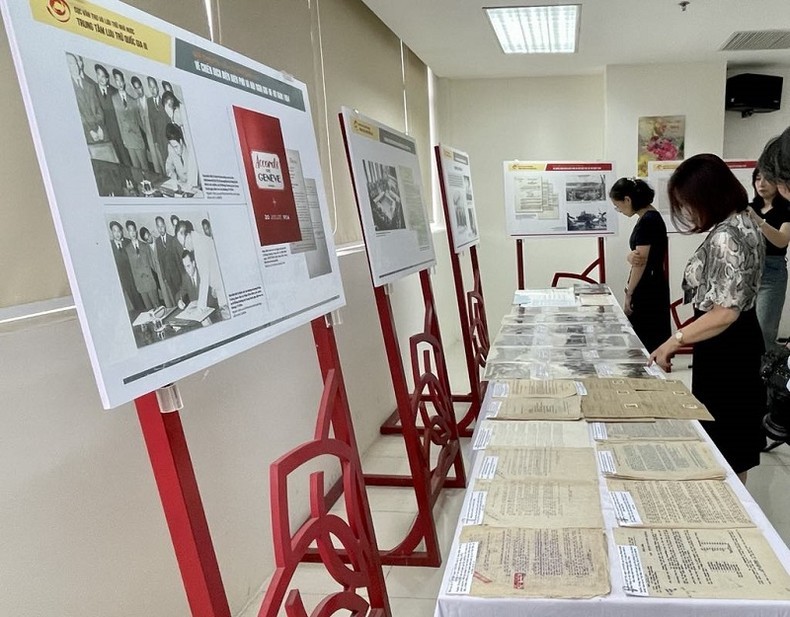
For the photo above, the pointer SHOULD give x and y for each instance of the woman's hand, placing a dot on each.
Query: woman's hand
(664, 354)
(636, 259)
(627, 308)
(759, 221)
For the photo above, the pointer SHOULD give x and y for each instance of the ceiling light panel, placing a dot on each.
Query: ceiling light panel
(536, 29)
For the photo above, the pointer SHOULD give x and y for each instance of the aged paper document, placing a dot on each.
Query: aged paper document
(708, 504)
(642, 460)
(569, 408)
(547, 504)
(660, 430)
(623, 403)
(551, 463)
(538, 434)
(518, 388)
(632, 383)
(536, 563)
(700, 563)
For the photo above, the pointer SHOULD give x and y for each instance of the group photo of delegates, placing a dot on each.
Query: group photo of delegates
(136, 130)
(168, 267)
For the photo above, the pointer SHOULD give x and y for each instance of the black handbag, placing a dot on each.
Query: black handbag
(775, 374)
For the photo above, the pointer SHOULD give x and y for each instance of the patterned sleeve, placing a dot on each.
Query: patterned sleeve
(731, 270)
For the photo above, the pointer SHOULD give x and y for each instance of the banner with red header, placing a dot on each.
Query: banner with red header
(571, 198)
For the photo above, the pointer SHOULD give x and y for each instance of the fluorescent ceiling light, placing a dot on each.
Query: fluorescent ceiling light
(536, 29)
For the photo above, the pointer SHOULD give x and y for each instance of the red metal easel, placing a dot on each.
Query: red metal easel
(430, 401)
(584, 276)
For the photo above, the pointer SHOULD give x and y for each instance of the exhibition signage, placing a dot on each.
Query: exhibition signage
(659, 173)
(457, 177)
(559, 198)
(388, 185)
(185, 186)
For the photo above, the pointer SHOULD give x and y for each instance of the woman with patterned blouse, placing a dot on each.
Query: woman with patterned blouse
(721, 280)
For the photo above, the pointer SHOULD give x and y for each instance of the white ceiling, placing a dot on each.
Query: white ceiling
(456, 40)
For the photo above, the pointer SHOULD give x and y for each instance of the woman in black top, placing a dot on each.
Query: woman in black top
(771, 212)
(647, 290)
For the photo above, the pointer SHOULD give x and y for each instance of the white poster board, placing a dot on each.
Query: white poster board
(143, 127)
(460, 214)
(559, 198)
(385, 171)
(659, 173)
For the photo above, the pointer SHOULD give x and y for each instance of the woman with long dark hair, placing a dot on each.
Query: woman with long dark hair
(721, 279)
(647, 288)
(771, 212)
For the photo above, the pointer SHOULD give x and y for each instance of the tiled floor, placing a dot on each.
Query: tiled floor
(413, 590)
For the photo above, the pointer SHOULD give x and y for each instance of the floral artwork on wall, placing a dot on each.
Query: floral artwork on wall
(661, 138)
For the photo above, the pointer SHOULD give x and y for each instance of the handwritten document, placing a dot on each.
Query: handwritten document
(680, 460)
(539, 504)
(707, 504)
(516, 434)
(700, 563)
(519, 388)
(535, 409)
(660, 430)
(551, 463)
(537, 563)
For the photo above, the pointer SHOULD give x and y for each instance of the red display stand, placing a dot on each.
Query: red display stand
(584, 276)
(354, 564)
(433, 447)
(472, 314)
(186, 520)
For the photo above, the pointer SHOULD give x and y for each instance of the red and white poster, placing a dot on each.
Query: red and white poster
(559, 198)
(266, 166)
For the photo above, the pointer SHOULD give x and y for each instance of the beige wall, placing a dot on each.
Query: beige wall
(695, 90)
(529, 119)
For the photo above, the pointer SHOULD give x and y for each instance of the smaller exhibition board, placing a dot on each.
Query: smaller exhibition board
(544, 198)
(659, 173)
(456, 175)
(385, 170)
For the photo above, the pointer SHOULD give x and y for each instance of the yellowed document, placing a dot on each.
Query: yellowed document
(642, 460)
(535, 388)
(700, 563)
(623, 403)
(551, 463)
(632, 383)
(544, 503)
(538, 434)
(708, 504)
(660, 430)
(535, 563)
(569, 408)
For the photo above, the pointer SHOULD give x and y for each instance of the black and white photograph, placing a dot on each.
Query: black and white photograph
(136, 131)
(468, 186)
(460, 211)
(384, 194)
(621, 369)
(169, 273)
(508, 370)
(586, 188)
(472, 221)
(587, 218)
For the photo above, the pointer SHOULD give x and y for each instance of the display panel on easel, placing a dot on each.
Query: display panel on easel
(457, 176)
(559, 198)
(386, 175)
(659, 173)
(185, 187)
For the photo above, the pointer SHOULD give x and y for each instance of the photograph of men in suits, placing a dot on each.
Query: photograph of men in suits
(129, 121)
(105, 92)
(157, 117)
(145, 123)
(87, 102)
(190, 283)
(119, 243)
(142, 265)
(169, 255)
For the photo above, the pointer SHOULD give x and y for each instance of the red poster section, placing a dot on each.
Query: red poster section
(266, 168)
